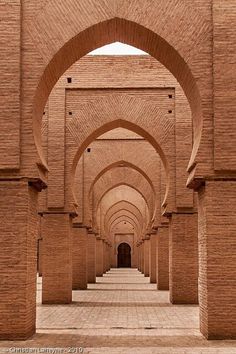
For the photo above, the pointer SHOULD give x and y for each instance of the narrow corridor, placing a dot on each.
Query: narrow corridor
(122, 313)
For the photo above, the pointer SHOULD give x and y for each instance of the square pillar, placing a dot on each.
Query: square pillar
(91, 258)
(57, 259)
(142, 257)
(40, 260)
(217, 259)
(79, 273)
(162, 258)
(183, 258)
(146, 257)
(18, 259)
(99, 257)
(138, 257)
(152, 258)
(104, 257)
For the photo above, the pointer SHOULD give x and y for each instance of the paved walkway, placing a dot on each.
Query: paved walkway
(121, 314)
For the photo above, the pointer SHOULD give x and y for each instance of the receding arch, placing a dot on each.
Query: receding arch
(128, 185)
(133, 196)
(125, 164)
(122, 210)
(122, 213)
(124, 202)
(121, 123)
(121, 220)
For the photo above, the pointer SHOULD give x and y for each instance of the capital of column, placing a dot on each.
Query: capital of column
(182, 211)
(72, 214)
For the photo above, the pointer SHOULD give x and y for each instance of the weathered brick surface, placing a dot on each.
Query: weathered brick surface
(10, 84)
(162, 258)
(79, 258)
(183, 254)
(17, 259)
(224, 65)
(57, 259)
(56, 149)
(217, 252)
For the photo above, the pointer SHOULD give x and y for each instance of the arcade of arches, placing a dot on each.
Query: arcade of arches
(118, 167)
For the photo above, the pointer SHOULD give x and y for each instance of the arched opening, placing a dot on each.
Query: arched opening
(85, 141)
(124, 255)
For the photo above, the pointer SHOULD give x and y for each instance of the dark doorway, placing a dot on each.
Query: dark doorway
(124, 256)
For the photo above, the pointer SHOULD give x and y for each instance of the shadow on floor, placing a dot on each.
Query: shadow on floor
(120, 304)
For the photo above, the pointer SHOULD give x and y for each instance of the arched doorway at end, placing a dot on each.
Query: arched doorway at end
(124, 256)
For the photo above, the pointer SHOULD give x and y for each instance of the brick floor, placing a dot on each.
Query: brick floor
(121, 313)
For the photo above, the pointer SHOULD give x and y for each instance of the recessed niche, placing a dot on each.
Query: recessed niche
(69, 80)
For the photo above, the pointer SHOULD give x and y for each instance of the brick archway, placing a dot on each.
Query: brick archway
(110, 25)
(85, 140)
(146, 187)
(122, 193)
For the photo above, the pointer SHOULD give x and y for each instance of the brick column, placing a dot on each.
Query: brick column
(142, 256)
(146, 257)
(57, 259)
(91, 258)
(183, 259)
(138, 257)
(217, 259)
(80, 238)
(152, 258)
(18, 259)
(40, 250)
(162, 258)
(99, 257)
(104, 257)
